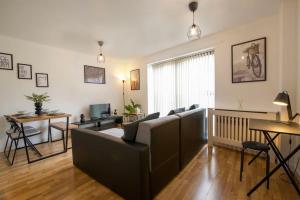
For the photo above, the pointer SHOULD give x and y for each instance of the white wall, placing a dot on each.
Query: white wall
(256, 96)
(298, 57)
(67, 89)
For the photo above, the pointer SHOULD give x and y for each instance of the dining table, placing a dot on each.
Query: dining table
(21, 120)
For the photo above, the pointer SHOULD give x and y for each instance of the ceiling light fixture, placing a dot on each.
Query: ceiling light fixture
(100, 57)
(194, 31)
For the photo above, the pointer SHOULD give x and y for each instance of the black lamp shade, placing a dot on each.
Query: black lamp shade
(282, 99)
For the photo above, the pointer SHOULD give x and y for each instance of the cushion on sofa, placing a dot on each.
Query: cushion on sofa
(130, 130)
(177, 110)
(152, 116)
(194, 106)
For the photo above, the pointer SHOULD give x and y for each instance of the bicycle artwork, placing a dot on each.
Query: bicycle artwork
(6, 61)
(249, 61)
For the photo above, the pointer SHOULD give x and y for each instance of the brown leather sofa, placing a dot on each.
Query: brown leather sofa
(191, 124)
(142, 169)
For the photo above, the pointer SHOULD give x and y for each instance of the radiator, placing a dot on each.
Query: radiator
(231, 127)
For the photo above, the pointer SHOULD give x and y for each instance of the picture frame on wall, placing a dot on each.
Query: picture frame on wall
(24, 71)
(135, 79)
(41, 80)
(249, 60)
(6, 61)
(95, 75)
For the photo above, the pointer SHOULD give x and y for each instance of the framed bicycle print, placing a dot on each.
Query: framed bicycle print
(248, 60)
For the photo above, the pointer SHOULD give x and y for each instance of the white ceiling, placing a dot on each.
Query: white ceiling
(129, 28)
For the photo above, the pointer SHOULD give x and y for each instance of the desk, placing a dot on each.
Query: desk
(21, 121)
(270, 126)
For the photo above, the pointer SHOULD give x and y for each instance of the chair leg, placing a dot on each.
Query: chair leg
(256, 156)
(49, 134)
(16, 148)
(9, 149)
(242, 164)
(267, 167)
(5, 144)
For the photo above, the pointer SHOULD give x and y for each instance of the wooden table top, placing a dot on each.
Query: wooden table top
(290, 128)
(39, 118)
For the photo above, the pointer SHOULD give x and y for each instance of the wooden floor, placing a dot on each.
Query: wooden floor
(212, 175)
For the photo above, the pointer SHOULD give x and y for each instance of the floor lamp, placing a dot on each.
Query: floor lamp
(123, 81)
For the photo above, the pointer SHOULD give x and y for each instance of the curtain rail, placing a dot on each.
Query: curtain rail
(189, 55)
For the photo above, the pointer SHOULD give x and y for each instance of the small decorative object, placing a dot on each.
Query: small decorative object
(6, 61)
(132, 108)
(94, 75)
(135, 79)
(24, 71)
(82, 118)
(115, 112)
(249, 61)
(38, 100)
(41, 80)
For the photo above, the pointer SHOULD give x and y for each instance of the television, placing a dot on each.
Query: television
(99, 110)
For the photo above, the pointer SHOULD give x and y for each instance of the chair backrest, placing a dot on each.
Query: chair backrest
(13, 124)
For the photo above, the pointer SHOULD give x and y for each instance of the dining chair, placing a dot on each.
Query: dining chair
(14, 134)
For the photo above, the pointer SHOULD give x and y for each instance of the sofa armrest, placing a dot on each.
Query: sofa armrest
(123, 167)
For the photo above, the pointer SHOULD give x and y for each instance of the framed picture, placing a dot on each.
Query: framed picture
(135, 79)
(24, 71)
(249, 61)
(6, 61)
(41, 80)
(94, 75)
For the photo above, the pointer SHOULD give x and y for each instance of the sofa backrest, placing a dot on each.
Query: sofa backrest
(192, 134)
(162, 137)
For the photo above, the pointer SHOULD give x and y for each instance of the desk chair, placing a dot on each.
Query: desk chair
(257, 146)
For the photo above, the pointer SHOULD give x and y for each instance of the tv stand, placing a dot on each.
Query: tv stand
(98, 124)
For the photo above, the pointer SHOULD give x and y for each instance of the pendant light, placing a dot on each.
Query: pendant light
(100, 57)
(194, 31)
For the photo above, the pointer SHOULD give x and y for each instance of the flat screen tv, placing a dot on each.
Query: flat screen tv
(99, 110)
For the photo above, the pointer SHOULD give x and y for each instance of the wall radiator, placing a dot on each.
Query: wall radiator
(231, 127)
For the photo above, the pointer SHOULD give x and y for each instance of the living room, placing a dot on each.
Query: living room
(139, 51)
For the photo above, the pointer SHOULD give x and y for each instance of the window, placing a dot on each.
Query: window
(182, 82)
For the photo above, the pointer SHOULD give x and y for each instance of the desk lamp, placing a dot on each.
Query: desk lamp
(283, 99)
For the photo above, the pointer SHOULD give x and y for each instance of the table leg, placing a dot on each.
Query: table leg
(67, 135)
(281, 164)
(274, 170)
(262, 151)
(284, 164)
(25, 143)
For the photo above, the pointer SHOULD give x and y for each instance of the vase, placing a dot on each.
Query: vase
(38, 108)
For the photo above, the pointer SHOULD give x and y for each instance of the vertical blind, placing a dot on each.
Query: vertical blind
(182, 82)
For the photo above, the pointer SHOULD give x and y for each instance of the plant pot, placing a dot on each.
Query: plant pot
(38, 108)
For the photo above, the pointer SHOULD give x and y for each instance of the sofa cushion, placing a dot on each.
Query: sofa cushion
(130, 130)
(177, 110)
(194, 106)
(152, 116)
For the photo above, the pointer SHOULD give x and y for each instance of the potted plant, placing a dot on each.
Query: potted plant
(132, 108)
(38, 100)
